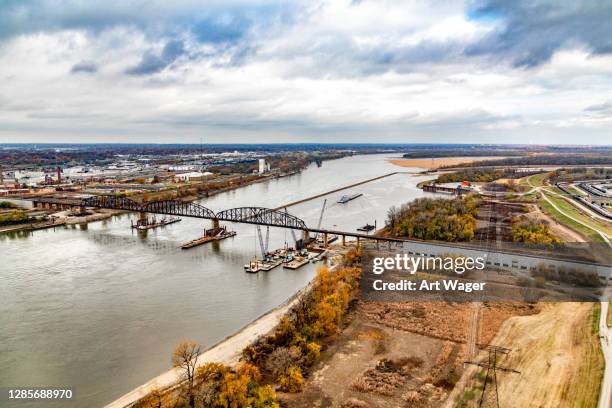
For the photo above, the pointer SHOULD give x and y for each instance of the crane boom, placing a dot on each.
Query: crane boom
(261, 243)
(321, 217)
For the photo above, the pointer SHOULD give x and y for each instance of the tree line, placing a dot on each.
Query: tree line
(530, 231)
(277, 362)
(434, 218)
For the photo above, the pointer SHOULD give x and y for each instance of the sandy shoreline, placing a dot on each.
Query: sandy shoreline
(227, 351)
(437, 162)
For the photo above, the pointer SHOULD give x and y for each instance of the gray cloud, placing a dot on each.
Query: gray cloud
(152, 63)
(85, 67)
(603, 109)
(529, 32)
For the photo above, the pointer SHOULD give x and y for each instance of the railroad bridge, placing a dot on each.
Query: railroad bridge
(279, 217)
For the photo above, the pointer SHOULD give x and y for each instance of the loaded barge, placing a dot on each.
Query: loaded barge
(213, 234)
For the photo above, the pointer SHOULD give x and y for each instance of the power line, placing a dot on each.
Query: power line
(492, 368)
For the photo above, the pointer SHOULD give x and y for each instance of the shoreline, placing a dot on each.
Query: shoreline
(434, 163)
(226, 351)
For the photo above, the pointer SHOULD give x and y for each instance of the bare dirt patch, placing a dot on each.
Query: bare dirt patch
(444, 321)
(564, 233)
(355, 372)
(407, 354)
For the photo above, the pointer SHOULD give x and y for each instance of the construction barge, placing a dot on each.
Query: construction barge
(145, 224)
(213, 234)
(289, 258)
(257, 265)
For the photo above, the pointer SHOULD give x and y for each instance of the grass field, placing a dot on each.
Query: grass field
(574, 190)
(576, 226)
(537, 180)
(568, 208)
(558, 354)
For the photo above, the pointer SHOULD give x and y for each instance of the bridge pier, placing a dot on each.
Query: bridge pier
(215, 224)
(344, 240)
(325, 240)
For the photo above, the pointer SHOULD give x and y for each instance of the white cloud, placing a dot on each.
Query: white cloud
(371, 71)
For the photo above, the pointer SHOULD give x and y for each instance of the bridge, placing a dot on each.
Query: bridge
(248, 215)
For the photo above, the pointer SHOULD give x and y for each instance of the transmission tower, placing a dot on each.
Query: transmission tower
(492, 369)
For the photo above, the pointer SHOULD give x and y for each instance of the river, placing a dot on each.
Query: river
(98, 308)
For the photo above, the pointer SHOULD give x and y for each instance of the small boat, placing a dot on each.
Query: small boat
(366, 228)
(346, 198)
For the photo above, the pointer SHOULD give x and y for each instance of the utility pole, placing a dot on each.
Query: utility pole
(492, 368)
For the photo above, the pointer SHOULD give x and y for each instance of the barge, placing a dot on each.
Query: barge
(213, 234)
(257, 265)
(346, 198)
(146, 225)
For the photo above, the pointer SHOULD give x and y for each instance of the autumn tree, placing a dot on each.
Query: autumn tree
(152, 400)
(292, 380)
(185, 357)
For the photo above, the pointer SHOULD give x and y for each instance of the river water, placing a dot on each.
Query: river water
(98, 308)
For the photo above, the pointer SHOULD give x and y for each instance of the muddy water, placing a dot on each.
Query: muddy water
(98, 308)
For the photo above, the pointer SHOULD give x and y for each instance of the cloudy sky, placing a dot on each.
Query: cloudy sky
(246, 71)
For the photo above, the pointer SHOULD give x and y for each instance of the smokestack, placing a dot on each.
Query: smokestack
(1, 176)
(59, 175)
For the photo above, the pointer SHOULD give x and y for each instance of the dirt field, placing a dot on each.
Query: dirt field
(558, 357)
(398, 355)
(564, 233)
(434, 163)
(370, 365)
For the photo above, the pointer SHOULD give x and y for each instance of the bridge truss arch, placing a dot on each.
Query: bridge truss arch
(263, 216)
(111, 202)
(250, 215)
(176, 207)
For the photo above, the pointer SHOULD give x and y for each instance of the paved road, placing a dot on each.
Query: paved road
(606, 347)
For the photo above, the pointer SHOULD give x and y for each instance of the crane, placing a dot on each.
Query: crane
(321, 218)
(263, 245)
(295, 241)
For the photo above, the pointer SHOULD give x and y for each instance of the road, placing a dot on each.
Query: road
(606, 347)
(603, 235)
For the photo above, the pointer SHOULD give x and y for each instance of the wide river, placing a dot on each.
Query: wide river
(98, 308)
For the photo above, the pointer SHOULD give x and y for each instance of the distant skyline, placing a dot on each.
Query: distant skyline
(360, 71)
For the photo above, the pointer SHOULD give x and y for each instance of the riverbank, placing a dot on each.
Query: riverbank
(227, 351)
(435, 163)
(32, 226)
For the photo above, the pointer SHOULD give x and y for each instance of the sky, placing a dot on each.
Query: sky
(249, 71)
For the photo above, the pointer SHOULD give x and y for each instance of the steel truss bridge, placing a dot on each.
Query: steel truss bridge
(282, 219)
(248, 215)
